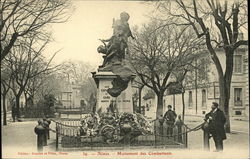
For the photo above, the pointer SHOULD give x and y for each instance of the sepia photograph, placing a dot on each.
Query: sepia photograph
(109, 79)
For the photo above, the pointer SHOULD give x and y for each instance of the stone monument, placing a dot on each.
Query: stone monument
(114, 76)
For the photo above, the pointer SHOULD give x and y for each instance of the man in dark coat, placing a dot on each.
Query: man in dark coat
(169, 117)
(216, 120)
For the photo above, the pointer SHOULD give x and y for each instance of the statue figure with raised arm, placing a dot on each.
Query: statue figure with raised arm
(114, 48)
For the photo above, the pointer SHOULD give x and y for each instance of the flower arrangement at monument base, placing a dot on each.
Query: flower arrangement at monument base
(114, 128)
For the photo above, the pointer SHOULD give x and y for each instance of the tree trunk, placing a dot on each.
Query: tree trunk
(225, 86)
(26, 104)
(18, 106)
(26, 99)
(4, 110)
(224, 80)
(226, 106)
(224, 102)
(183, 105)
(7, 49)
(174, 102)
(140, 90)
(159, 110)
(196, 90)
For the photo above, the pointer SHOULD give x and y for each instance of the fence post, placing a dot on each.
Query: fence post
(57, 133)
(161, 121)
(91, 141)
(180, 124)
(155, 133)
(48, 133)
(45, 138)
(205, 128)
(206, 140)
(186, 138)
(40, 131)
(179, 133)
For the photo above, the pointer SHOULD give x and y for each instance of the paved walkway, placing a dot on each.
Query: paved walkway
(236, 125)
(20, 137)
(238, 138)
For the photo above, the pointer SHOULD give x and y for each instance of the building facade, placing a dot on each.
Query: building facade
(198, 100)
(70, 96)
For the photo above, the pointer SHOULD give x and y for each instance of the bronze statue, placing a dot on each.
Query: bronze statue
(114, 50)
(115, 47)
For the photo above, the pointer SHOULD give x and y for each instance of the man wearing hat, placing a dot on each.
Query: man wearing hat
(169, 117)
(216, 121)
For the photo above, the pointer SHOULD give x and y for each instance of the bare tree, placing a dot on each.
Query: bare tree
(220, 25)
(43, 84)
(22, 18)
(5, 83)
(193, 75)
(26, 62)
(139, 85)
(79, 73)
(157, 52)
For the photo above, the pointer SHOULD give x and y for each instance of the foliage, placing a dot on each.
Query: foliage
(44, 107)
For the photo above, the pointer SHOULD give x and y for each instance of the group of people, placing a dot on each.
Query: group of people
(215, 120)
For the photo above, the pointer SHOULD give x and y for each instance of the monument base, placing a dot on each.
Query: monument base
(123, 102)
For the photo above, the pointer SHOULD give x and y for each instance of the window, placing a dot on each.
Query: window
(216, 92)
(237, 96)
(238, 64)
(203, 99)
(238, 113)
(210, 94)
(190, 99)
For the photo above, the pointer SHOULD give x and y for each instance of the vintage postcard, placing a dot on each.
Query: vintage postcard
(124, 79)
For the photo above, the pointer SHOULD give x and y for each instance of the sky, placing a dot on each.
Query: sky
(90, 21)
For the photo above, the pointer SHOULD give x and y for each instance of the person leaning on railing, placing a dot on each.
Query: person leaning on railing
(216, 121)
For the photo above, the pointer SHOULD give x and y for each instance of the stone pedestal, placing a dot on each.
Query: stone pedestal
(103, 81)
